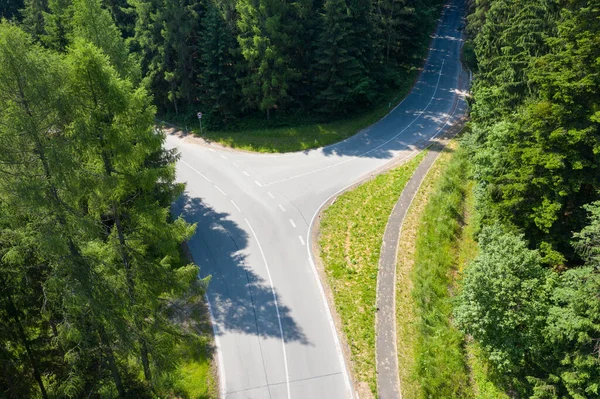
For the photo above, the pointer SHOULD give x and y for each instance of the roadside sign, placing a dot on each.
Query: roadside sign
(199, 115)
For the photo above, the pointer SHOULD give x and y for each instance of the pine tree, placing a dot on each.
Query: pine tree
(264, 44)
(342, 75)
(43, 186)
(94, 23)
(132, 196)
(167, 34)
(58, 24)
(220, 56)
(33, 17)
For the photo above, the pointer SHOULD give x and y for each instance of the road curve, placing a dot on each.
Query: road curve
(274, 331)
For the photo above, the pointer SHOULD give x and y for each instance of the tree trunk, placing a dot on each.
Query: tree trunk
(32, 359)
(131, 289)
(112, 365)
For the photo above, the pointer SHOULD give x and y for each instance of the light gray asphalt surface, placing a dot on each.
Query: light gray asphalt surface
(274, 332)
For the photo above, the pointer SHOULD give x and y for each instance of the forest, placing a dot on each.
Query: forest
(94, 283)
(238, 58)
(531, 297)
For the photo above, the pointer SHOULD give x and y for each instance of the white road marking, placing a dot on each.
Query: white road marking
(223, 156)
(236, 207)
(195, 170)
(222, 387)
(219, 188)
(212, 150)
(271, 195)
(281, 207)
(246, 173)
(287, 375)
(236, 165)
(292, 223)
(257, 183)
(372, 149)
(301, 240)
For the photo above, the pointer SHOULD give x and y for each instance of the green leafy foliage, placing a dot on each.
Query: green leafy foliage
(440, 363)
(90, 257)
(530, 299)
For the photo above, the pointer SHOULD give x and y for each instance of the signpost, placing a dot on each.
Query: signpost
(199, 114)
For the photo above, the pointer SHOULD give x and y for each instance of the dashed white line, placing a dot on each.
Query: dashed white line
(257, 183)
(246, 173)
(270, 195)
(301, 240)
(292, 223)
(287, 375)
(281, 207)
(212, 150)
(236, 207)
(195, 170)
(219, 188)
(236, 165)
(419, 115)
(223, 156)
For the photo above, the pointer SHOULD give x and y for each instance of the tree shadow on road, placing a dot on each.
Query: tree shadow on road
(242, 301)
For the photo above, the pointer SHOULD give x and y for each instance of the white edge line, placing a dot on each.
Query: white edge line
(287, 375)
(220, 365)
(338, 346)
(375, 148)
(195, 170)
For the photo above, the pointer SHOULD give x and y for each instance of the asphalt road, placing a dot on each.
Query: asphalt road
(274, 331)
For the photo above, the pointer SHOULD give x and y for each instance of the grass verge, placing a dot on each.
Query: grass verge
(406, 326)
(301, 137)
(440, 366)
(437, 242)
(351, 234)
(194, 376)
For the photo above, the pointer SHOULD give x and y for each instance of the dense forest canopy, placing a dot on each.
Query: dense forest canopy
(92, 274)
(234, 58)
(532, 296)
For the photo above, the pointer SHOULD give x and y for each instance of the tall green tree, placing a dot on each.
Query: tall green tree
(168, 35)
(134, 187)
(264, 44)
(342, 72)
(220, 56)
(94, 23)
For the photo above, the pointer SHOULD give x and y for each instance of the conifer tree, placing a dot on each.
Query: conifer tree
(342, 75)
(167, 34)
(220, 55)
(94, 23)
(265, 45)
(132, 196)
(58, 24)
(33, 17)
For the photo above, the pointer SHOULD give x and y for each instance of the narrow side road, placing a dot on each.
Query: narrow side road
(388, 378)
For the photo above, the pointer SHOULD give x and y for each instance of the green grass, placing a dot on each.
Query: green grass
(300, 136)
(440, 366)
(350, 241)
(194, 376)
